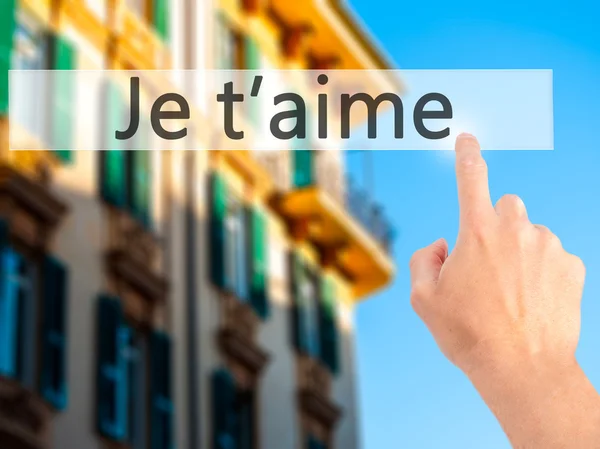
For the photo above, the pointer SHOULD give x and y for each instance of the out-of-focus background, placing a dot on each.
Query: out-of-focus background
(248, 299)
(178, 299)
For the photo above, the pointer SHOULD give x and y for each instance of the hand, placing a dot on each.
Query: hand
(504, 307)
(507, 289)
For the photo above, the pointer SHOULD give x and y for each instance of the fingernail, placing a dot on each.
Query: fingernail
(465, 136)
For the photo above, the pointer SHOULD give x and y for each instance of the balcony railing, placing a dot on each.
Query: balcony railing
(299, 169)
(371, 215)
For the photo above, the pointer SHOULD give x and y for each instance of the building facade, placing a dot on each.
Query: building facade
(188, 299)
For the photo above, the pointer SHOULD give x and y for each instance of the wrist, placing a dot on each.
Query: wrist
(507, 360)
(550, 397)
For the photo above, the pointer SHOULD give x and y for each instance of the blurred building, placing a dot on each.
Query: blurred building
(187, 299)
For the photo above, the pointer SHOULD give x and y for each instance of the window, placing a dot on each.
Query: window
(244, 408)
(329, 334)
(233, 415)
(314, 443)
(235, 244)
(49, 119)
(29, 53)
(125, 175)
(238, 247)
(135, 353)
(310, 311)
(305, 307)
(229, 51)
(18, 300)
(23, 303)
(134, 392)
(314, 313)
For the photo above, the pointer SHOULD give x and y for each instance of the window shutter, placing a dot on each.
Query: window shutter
(161, 18)
(9, 265)
(112, 391)
(223, 413)
(113, 162)
(297, 277)
(53, 381)
(217, 230)
(161, 403)
(259, 263)
(62, 57)
(303, 168)
(328, 325)
(7, 29)
(140, 180)
(252, 60)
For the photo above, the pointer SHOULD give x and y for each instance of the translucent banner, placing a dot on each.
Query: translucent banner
(279, 109)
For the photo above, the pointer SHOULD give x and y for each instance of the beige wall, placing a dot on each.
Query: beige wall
(79, 244)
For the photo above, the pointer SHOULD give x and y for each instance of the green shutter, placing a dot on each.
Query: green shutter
(63, 113)
(161, 402)
(113, 161)
(252, 59)
(140, 185)
(259, 263)
(7, 29)
(303, 168)
(53, 380)
(113, 189)
(328, 325)
(112, 388)
(217, 230)
(223, 410)
(252, 55)
(161, 18)
(298, 277)
(9, 296)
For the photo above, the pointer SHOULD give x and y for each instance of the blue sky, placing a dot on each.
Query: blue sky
(410, 396)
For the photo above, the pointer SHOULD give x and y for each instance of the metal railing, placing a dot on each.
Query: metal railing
(371, 215)
(328, 173)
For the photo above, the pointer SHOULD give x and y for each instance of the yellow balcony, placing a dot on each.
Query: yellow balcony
(30, 162)
(316, 209)
(138, 45)
(77, 14)
(41, 9)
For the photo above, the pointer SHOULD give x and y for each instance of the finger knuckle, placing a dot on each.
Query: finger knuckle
(548, 238)
(511, 201)
(419, 294)
(577, 266)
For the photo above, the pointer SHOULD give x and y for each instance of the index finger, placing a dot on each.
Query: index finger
(472, 181)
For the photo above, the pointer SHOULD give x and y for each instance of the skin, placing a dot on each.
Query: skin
(505, 308)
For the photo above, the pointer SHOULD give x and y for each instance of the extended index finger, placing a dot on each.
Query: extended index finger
(472, 181)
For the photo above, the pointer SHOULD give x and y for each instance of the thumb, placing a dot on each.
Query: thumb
(426, 263)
